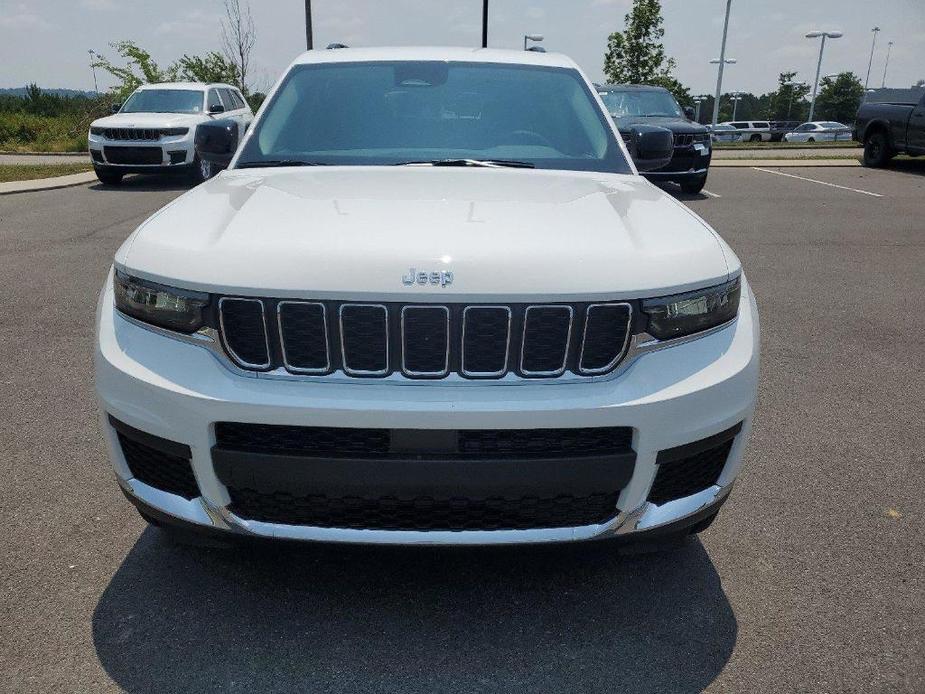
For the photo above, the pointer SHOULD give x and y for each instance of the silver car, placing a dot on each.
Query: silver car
(819, 131)
(724, 133)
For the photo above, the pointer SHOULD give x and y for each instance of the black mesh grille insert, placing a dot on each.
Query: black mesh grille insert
(424, 513)
(425, 340)
(523, 443)
(486, 332)
(379, 443)
(162, 471)
(364, 335)
(310, 441)
(244, 330)
(676, 479)
(546, 337)
(133, 155)
(304, 336)
(607, 328)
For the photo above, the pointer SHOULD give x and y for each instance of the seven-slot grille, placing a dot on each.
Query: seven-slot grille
(131, 133)
(424, 340)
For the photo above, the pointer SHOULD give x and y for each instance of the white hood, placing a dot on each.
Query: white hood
(354, 232)
(150, 120)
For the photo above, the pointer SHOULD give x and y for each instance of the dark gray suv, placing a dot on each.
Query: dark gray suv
(634, 104)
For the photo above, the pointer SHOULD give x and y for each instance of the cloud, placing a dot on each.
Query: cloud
(191, 23)
(97, 5)
(23, 18)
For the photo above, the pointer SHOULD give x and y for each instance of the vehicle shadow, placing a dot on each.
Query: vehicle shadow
(909, 166)
(323, 618)
(675, 191)
(146, 183)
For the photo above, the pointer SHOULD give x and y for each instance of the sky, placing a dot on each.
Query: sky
(46, 41)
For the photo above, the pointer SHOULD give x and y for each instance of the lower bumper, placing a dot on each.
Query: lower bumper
(669, 398)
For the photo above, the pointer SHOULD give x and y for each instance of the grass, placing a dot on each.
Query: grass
(28, 172)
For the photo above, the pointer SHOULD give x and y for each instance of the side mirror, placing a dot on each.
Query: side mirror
(650, 146)
(114, 108)
(217, 141)
(689, 112)
(216, 108)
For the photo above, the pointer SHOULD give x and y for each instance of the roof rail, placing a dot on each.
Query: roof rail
(537, 49)
(332, 46)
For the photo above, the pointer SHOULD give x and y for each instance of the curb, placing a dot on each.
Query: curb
(793, 163)
(42, 154)
(37, 184)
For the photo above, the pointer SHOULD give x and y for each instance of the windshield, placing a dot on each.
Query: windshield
(382, 113)
(164, 101)
(641, 102)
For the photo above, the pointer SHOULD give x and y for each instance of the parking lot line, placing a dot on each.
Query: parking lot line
(813, 180)
(712, 195)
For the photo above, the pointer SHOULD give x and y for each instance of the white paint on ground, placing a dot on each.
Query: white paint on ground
(712, 195)
(823, 183)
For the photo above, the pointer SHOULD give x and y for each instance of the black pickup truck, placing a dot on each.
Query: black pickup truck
(891, 127)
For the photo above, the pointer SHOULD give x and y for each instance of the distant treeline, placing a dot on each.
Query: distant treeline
(33, 119)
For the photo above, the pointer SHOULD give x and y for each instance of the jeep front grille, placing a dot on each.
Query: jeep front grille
(132, 133)
(372, 340)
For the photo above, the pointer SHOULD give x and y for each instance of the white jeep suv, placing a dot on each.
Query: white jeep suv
(430, 301)
(154, 130)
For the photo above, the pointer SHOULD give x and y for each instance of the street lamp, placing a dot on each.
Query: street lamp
(815, 35)
(722, 63)
(93, 68)
(889, 49)
(697, 101)
(875, 30)
(532, 37)
(736, 98)
(792, 85)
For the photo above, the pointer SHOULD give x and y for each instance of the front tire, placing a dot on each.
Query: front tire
(200, 171)
(108, 178)
(693, 186)
(877, 151)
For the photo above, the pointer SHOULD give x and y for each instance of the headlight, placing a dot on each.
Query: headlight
(174, 131)
(165, 307)
(683, 314)
(96, 131)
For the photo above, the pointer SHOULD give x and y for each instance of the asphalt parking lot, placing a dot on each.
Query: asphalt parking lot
(812, 578)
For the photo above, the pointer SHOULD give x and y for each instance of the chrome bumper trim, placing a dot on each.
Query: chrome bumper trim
(646, 517)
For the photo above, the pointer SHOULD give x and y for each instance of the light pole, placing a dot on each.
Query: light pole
(532, 37)
(889, 49)
(793, 86)
(309, 42)
(815, 35)
(736, 98)
(93, 68)
(698, 100)
(722, 64)
(484, 23)
(875, 30)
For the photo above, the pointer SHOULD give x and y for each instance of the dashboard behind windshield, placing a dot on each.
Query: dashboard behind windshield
(641, 102)
(164, 101)
(391, 112)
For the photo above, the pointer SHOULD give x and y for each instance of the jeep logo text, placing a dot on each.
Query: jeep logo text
(413, 276)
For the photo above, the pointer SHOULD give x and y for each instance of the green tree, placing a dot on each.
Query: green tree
(787, 103)
(139, 68)
(839, 98)
(636, 54)
(211, 67)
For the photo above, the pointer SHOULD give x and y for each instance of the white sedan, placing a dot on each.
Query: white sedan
(819, 131)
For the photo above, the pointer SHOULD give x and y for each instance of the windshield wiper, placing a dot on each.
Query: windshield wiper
(278, 162)
(491, 163)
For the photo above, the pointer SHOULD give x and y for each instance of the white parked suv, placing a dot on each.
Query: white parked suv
(431, 301)
(153, 131)
(751, 130)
